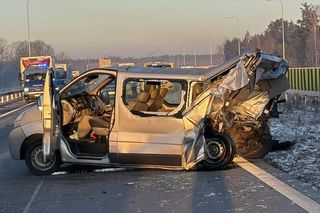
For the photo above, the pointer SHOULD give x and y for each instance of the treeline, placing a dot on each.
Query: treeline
(302, 43)
(10, 53)
(302, 39)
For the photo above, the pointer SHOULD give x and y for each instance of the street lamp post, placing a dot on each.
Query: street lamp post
(210, 43)
(238, 32)
(29, 44)
(282, 26)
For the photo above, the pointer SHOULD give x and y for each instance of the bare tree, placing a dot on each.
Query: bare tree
(62, 57)
(4, 52)
(39, 47)
(312, 22)
(19, 49)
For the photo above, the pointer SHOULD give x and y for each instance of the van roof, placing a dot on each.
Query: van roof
(192, 73)
(176, 73)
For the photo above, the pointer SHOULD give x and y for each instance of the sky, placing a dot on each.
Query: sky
(94, 28)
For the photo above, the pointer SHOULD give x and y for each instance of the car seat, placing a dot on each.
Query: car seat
(141, 103)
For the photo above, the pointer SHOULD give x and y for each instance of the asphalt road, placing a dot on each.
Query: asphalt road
(80, 189)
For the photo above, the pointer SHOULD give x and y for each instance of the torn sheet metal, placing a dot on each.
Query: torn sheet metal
(240, 96)
(194, 152)
(236, 79)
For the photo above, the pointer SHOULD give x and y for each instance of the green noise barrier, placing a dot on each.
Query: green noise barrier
(304, 78)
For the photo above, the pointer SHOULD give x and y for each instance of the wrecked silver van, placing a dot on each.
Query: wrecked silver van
(155, 118)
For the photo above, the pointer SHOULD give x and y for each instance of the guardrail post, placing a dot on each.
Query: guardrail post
(305, 101)
(295, 100)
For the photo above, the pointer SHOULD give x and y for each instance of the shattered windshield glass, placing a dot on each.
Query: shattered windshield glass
(86, 84)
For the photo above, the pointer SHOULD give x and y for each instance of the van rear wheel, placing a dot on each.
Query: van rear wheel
(219, 152)
(35, 163)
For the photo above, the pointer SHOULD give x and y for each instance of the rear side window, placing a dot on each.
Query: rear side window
(174, 94)
(150, 96)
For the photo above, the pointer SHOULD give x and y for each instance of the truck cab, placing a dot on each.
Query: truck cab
(32, 75)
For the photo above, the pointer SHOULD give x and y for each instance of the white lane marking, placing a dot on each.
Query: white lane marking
(35, 193)
(12, 111)
(295, 196)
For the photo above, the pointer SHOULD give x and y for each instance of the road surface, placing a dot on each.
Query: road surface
(86, 189)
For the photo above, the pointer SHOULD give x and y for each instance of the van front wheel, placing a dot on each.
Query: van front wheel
(219, 152)
(35, 163)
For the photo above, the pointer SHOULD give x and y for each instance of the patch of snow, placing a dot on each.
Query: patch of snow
(59, 173)
(163, 203)
(262, 206)
(302, 160)
(130, 183)
(210, 195)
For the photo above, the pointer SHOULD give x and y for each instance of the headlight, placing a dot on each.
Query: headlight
(26, 89)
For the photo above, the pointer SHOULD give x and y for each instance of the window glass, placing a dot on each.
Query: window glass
(107, 93)
(146, 95)
(174, 93)
(86, 84)
(60, 73)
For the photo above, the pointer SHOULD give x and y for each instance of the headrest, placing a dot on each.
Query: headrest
(143, 97)
(151, 88)
(163, 92)
(154, 94)
(198, 89)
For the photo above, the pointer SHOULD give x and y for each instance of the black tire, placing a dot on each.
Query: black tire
(34, 160)
(219, 152)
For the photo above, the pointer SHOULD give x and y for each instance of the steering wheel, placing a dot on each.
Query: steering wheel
(88, 100)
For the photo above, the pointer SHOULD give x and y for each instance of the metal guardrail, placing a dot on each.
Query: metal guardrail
(303, 93)
(304, 78)
(303, 81)
(10, 96)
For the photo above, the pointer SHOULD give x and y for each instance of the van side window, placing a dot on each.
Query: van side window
(160, 96)
(107, 93)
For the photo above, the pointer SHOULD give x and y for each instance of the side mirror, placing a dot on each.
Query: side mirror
(105, 97)
(40, 102)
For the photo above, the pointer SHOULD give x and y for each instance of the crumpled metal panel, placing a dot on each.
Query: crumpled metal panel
(194, 152)
(236, 79)
(240, 96)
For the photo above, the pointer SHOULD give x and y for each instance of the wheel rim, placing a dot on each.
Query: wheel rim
(38, 162)
(215, 150)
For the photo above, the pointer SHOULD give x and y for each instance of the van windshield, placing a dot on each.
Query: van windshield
(86, 84)
(35, 77)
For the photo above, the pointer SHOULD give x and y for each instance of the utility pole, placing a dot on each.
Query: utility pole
(29, 44)
(238, 32)
(282, 23)
(210, 43)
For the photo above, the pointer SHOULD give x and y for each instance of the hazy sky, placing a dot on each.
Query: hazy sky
(91, 28)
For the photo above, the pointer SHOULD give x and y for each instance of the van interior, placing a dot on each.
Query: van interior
(87, 115)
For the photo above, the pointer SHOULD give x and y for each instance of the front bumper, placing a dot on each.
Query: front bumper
(31, 95)
(16, 137)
